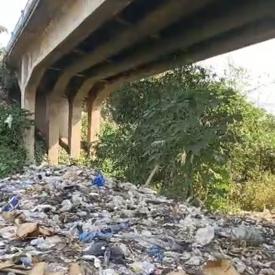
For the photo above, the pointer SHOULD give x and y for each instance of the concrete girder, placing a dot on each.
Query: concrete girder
(75, 20)
(232, 20)
(168, 13)
(255, 33)
(247, 36)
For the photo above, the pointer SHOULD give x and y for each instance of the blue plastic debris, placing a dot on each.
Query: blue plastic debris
(87, 237)
(156, 252)
(12, 204)
(105, 233)
(98, 180)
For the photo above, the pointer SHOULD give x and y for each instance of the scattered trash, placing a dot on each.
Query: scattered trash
(26, 230)
(87, 237)
(39, 269)
(251, 235)
(5, 265)
(240, 266)
(104, 233)
(116, 255)
(98, 180)
(205, 235)
(194, 261)
(156, 253)
(145, 268)
(66, 206)
(14, 217)
(32, 230)
(53, 223)
(177, 273)
(221, 267)
(75, 269)
(97, 248)
(26, 261)
(12, 204)
(8, 121)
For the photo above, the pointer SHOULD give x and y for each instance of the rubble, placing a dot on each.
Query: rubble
(71, 220)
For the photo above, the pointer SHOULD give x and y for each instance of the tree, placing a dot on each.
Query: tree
(192, 133)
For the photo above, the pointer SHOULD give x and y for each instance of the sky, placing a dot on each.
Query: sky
(258, 60)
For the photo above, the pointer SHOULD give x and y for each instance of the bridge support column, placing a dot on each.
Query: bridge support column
(75, 110)
(54, 107)
(94, 119)
(28, 96)
(64, 121)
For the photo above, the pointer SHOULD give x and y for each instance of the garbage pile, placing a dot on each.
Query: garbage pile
(71, 220)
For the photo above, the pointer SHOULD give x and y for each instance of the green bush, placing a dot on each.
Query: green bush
(12, 152)
(8, 82)
(197, 136)
(256, 195)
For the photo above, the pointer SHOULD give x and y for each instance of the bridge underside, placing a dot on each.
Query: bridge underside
(117, 41)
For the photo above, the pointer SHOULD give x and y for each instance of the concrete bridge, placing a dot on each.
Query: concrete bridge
(70, 52)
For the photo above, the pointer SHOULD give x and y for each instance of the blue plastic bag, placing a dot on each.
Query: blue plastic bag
(106, 233)
(12, 204)
(156, 252)
(98, 180)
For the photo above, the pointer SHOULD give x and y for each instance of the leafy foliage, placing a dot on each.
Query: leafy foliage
(196, 136)
(8, 82)
(256, 194)
(12, 152)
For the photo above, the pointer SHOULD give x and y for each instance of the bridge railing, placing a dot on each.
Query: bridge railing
(25, 15)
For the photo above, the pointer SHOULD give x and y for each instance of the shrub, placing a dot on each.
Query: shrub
(12, 151)
(256, 195)
(195, 135)
(8, 83)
